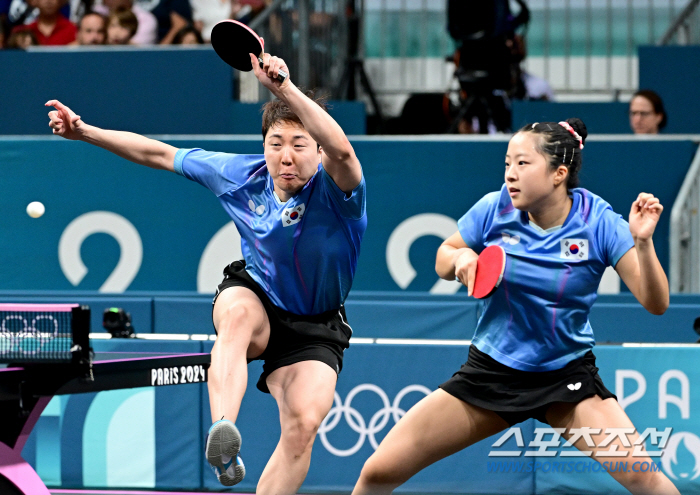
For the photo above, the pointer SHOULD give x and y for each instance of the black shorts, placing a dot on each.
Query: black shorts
(293, 338)
(520, 395)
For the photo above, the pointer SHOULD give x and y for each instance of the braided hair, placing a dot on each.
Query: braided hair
(562, 143)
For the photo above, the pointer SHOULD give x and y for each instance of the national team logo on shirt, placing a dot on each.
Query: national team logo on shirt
(574, 249)
(290, 216)
(510, 239)
(257, 209)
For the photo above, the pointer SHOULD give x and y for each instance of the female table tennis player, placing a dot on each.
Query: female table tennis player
(531, 355)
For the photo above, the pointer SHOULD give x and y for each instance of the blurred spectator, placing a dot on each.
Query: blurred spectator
(21, 40)
(92, 30)
(4, 31)
(20, 12)
(51, 27)
(172, 15)
(484, 60)
(147, 32)
(526, 86)
(647, 113)
(206, 13)
(188, 36)
(121, 27)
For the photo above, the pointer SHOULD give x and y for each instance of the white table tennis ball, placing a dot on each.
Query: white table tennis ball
(35, 209)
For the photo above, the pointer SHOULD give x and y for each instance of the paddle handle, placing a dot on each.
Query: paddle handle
(281, 75)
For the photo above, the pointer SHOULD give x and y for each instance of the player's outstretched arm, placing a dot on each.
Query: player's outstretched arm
(456, 260)
(640, 268)
(133, 147)
(339, 158)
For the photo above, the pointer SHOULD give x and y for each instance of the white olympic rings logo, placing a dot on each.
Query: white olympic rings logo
(18, 334)
(357, 422)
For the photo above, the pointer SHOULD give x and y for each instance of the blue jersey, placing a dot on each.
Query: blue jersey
(537, 320)
(302, 253)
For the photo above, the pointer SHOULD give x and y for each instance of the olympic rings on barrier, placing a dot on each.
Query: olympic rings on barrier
(355, 420)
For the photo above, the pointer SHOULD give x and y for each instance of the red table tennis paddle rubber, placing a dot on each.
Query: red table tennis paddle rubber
(489, 271)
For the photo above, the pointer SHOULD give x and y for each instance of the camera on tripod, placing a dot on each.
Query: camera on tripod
(484, 59)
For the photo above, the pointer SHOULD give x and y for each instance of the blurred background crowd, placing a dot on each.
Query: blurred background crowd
(421, 66)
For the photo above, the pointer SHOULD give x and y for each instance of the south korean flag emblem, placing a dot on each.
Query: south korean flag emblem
(574, 249)
(290, 216)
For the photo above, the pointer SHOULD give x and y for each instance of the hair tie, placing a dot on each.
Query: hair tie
(535, 124)
(568, 127)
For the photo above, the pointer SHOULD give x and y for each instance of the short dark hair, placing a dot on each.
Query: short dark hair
(656, 102)
(276, 111)
(561, 146)
(126, 19)
(187, 29)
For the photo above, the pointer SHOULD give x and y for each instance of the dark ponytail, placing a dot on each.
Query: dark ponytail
(562, 145)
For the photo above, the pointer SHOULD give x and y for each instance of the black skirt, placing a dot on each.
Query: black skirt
(517, 395)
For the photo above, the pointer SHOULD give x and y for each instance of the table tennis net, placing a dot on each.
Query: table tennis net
(43, 332)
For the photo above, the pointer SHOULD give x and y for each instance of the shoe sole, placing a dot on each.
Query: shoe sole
(224, 439)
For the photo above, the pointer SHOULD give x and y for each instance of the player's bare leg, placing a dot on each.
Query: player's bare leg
(243, 330)
(595, 412)
(436, 427)
(304, 394)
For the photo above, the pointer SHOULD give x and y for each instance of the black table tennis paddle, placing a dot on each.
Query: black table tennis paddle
(233, 41)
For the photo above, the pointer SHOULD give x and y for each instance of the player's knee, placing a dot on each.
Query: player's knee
(377, 473)
(300, 432)
(236, 319)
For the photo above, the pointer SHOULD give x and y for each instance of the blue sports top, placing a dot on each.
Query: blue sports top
(537, 319)
(302, 253)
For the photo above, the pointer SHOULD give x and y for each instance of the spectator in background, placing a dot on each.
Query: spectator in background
(92, 30)
(4, 31)
(147, 32)
(172, 15)
(21, 40)
(188, 36)
(51, 27)
(526, 86)
(647, 113)
(206, 13)
(121, 27)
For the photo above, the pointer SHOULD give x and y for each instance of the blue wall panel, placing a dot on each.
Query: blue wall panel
(600, 118)
(672, 71)
(156, 90)
(657, 386)
(176, 219)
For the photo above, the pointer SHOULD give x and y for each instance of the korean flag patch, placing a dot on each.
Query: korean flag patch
(574, 249)
(290, 216)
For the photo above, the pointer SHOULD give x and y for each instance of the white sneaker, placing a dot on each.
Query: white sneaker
(222, 447)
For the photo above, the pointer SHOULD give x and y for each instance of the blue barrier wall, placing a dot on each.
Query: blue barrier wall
(153, 437)
(388, 315)
(672, 71)
(600, 118)
(156, 90)
(164, 228)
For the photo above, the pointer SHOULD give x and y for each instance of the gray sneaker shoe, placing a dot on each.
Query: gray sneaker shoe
(222, 447)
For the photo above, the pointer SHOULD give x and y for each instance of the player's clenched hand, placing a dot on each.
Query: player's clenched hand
(271, 68)
(644, 216)
(63, 121)
(465, 268)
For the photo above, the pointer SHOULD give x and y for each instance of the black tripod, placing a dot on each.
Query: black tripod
(355, 65)
(483, 72)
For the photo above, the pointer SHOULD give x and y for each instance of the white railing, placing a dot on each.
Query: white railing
(684, 237)
(579, 46)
